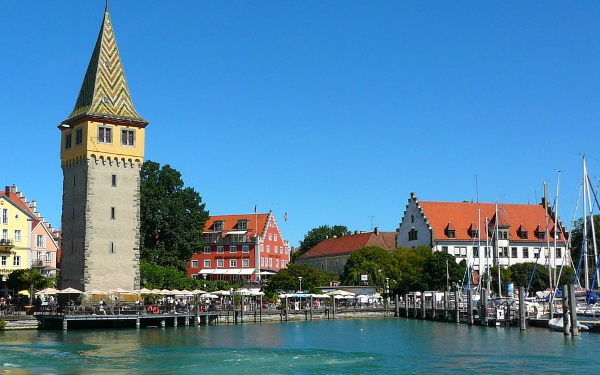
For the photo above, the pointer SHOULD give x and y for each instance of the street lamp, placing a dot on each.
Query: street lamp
(300, 279)
(204, 276)
(387, 293)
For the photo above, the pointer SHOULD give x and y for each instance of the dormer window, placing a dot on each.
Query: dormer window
(540, 233)
(218, 226)
(473, 231)
(450, 231)
(522, 232)
(242, 224)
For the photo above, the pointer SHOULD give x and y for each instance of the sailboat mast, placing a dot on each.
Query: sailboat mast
(547, 234)
(497, 251)
(585, 218)
(555, 230)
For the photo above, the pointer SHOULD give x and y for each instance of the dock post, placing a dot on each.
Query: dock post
(174, 321)
(565, 306)
(415, 310)
(163, 323)
(456, 307)
(573, 311)
(311, 307)
(65, 321)
(446, 306)
(471, 319)
(187, 321)
(406, 306)
(483, 307)
(260, 309)
(137, 323)
(423, 309)
(397, 307)
(522, 312)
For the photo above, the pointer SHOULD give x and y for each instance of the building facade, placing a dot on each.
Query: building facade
(240, 248)
(26, 240)
(485, 234)
(102, 151)
(333, 253)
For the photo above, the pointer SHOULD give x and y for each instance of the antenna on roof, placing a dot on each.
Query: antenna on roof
(371, 222)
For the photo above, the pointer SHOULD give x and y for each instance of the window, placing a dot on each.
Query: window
(270, 236)
(5, 216)
(220, 250)
(536, 252)
(112, 248)
(49, 257)
(271, 262)
(525, 252)
(245, 262)
(74, 180)
(78, 136)
(460, 251)
(3, 260)
(412, 235)
(475, 252)
(127, 137)
(67, 141)
(275, 249)
(503, 252)
(262, 261)
(232, 249)
(5, 234)
(207, 263)
(40, 241)
(243, 224)
(245, 249)
(17, 261)
(513, 252)
(17, 235)
(451, 233)
(268, 248)
(218, 225)
(104, 134)
(487, 251)
(558, 252)
(474, 233)
(220, 263)
(277, 263)
(445, 249)
(207, 249)
(112, 213)
(275, 237)
(113, 180)
(194, 264)
(232, 263)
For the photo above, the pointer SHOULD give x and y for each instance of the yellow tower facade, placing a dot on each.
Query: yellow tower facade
(102, 150)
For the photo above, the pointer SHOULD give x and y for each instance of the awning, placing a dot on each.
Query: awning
(207, 271)
(220, 271)
(247, 271)
(236, 232)
(233, 272)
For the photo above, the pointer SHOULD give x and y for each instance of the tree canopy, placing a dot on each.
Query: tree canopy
(375, 262)
(316, 235)
(172, 217)
(287, 278)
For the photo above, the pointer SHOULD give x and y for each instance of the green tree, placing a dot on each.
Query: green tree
(172, 217)
(577, 237)
(412, 264)
(316, 235)
(31, 277)
(287, 279)
(375, 262)
(441, 270)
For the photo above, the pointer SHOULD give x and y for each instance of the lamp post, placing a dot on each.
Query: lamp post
(300, 279)
(204, 276)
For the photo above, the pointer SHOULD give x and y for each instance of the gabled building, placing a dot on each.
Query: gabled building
(26, 240)
(333, 253)
(485, 234)
(240, 248)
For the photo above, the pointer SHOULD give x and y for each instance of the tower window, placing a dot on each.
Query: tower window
(127, 137)
(113, 181)
(104, 134)
(67, 141)
(412, 235)
(78, 136)
(112, 248)
(112, 213)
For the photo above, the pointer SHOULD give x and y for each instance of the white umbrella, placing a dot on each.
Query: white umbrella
(208, 295)
(198, 291)
(70, 290)
(222, 292)
(143, 291)
(47, 291)
(340, 292)
(120, 291)
(96, 291)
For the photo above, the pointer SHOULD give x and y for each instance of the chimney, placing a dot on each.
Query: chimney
(13, 189)
(376, 231)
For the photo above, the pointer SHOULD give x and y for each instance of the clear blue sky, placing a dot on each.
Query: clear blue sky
(331, 111)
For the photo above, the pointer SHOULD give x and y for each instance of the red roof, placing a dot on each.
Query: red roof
(465, 216)
(347, 244)
(230, 223)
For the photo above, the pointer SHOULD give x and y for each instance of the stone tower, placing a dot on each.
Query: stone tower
(102, 151)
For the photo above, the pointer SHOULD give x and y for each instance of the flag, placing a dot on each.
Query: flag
(254, 208)
(285, 217)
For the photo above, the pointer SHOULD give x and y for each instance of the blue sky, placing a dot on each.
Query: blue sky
(331, 111)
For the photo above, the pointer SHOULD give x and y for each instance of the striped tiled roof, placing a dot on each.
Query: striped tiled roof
(104, 93)
(347, 244)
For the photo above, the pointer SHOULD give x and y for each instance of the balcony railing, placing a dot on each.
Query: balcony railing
(38, 263)
(231, 239)
(5, 242)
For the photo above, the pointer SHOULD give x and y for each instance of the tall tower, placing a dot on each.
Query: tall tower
(102, 151)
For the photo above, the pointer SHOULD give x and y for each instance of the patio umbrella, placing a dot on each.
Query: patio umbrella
(24, 292)
(198, 291)
(47, 291)
(340, 293)
(209, 295)
(120, 291)
(70, 290)
(222, 292)
(143, 291)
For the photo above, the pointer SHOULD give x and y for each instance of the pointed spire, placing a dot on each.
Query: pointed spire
(104, 93)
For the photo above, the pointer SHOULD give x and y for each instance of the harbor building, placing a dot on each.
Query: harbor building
(101, 152)
(332, 254)
(485, 234)
(240, 248)
(27, 240)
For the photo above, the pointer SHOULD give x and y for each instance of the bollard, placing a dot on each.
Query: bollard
(397, 307)
(483, 304)
(565, 306)
(470, 317)
(456, 307)
(573, 311)
(522, 312)
(137, 323)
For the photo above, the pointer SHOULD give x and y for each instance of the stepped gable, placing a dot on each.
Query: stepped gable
(464, 216)
(104, 94)
(347, 244)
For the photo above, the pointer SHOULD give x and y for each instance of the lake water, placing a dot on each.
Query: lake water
(374, 346)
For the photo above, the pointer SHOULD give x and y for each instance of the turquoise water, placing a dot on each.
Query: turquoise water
(382, 346)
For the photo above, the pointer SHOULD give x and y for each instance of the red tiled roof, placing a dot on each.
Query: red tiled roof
(230, 222)
(349, 243)
(464, 216)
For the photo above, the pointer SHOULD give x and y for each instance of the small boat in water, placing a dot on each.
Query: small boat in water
(557, 324)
